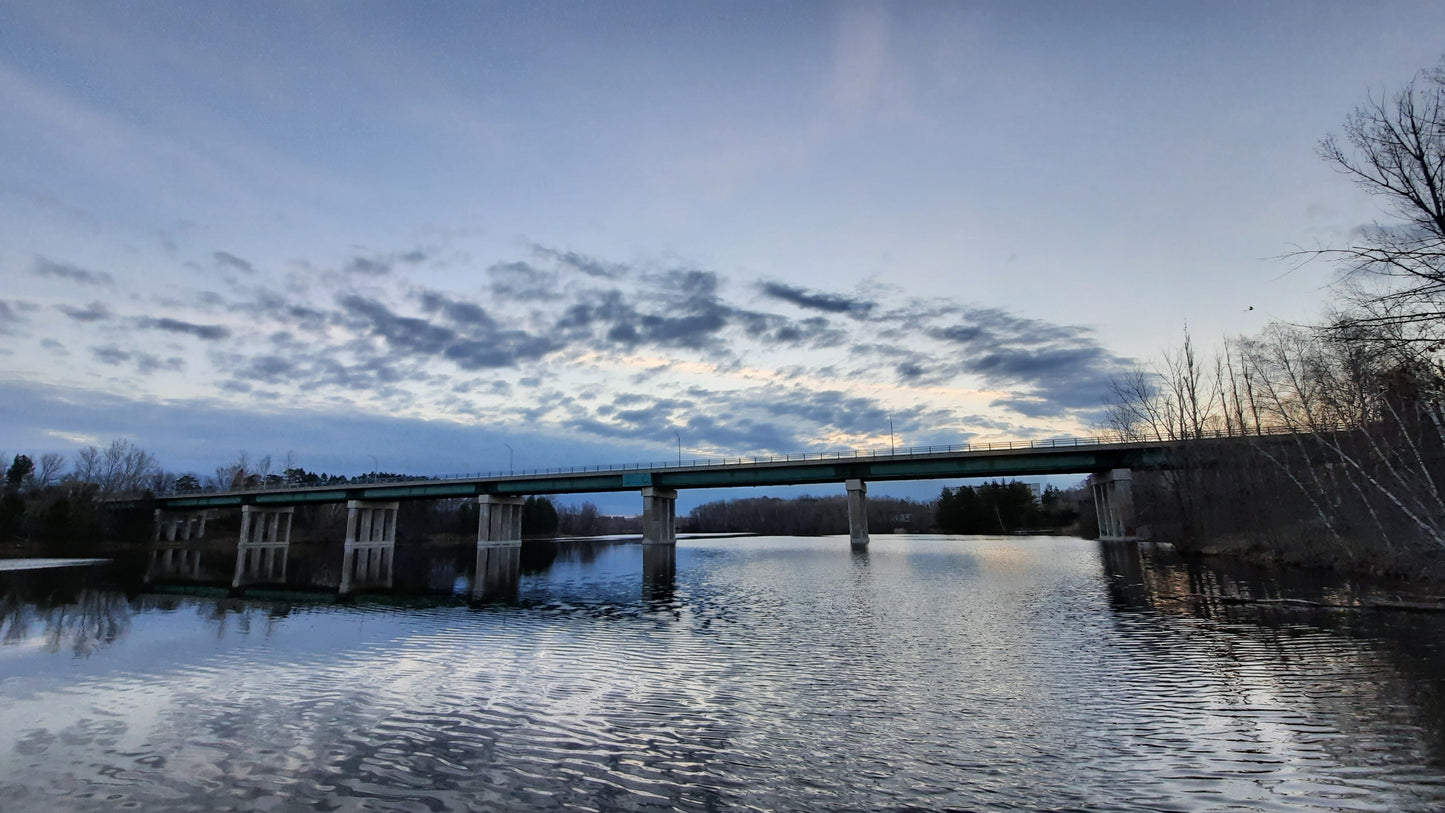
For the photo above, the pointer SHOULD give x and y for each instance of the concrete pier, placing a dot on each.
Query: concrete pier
(179, 526)
(499, 548)
(370, 548)
(264, 541)
(1114, 504)
(659, 516)
(857, 513)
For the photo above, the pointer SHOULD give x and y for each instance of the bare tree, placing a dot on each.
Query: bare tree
(49, 470)
(1172, 400)
(121, 468)
(1394, 148)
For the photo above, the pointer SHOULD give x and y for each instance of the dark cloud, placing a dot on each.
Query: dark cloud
(94, 312)
(270, 370)
(831, 303)
(684, 312)
(472, 345)
(230, 260)
(1032, 406)
(44, 267)
(1061, 368)
(110, 354)
(10, 319)
(367, 265)
(207, 332)
(145, 363)
(587, 265)
(378, 265)
(459, 313)
(773, 330)
(523, 282)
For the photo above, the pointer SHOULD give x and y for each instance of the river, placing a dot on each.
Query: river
(772, 673)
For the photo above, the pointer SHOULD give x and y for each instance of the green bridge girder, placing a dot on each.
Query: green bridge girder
(1081, 459)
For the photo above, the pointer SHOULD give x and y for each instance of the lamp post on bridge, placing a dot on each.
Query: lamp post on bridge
(679, 446)
(375, 468)
(511, 457)
(890, 435)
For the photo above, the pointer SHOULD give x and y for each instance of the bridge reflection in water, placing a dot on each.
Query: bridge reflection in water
(329, 571)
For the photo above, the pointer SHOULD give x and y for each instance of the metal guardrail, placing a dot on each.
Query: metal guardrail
(1098, 441)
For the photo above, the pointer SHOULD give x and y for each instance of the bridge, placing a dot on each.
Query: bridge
(372, 506)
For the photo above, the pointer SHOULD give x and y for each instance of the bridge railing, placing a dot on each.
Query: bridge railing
(1096, 441)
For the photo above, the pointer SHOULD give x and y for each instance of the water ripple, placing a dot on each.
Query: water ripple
(783, 674)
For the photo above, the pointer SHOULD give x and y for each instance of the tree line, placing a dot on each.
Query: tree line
(1007, 507)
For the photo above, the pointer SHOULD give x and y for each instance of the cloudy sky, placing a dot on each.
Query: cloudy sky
(412, 235)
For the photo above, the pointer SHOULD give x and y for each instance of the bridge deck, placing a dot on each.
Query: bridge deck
(1036, 458)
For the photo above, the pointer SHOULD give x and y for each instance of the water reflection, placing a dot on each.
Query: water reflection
(498, 572)
(659, 572)
(773, 673)
(62, 610)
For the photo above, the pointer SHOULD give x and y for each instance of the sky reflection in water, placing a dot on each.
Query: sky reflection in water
(777, 672)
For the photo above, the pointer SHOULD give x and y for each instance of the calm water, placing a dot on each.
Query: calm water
(771, 673)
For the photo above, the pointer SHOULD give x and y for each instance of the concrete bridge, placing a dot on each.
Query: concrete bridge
(372, 507)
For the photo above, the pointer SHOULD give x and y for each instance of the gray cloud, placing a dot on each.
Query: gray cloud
(45, 267)
(378, 265)
(367, 265)
(1064, 366)
(831, 303)
(458, 312)
(9, 319)
(477, 343)
(578, 262)
(230, 260)
(523, 282)
(94, 312)
(110, 354)
(207, 332)
(397, 344)
(145, 363)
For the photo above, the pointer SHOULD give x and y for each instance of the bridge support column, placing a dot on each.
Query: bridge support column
(1114, 504)
(857, 513)
(499, 548)
(179, 526)
(265, 540)
(370, 549)
(659, 516)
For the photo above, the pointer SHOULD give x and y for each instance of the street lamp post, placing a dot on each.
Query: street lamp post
(679, 446)
(511, 457)
(890, 434)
